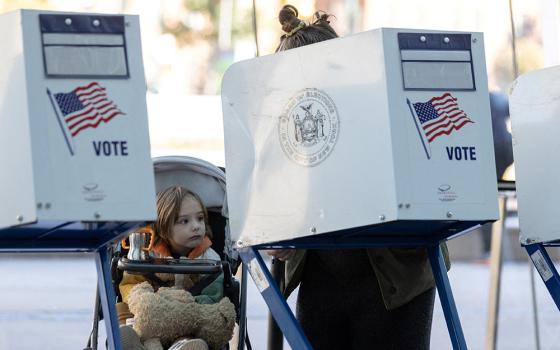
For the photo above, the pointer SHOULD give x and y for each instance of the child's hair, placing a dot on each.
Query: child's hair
(298, 33)
(168, 207)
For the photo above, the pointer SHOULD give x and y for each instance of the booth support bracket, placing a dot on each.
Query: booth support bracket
(108, 297)
(540, 258)
(446, 298)
(274, 299)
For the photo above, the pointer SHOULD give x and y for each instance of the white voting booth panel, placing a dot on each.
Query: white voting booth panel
(535, 116)
(382, 126)
(74, 143)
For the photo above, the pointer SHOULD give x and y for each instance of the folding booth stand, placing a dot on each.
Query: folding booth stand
(379, 139)
(534, 108)
(359, 238)
(76, 237)
(74, 145)
(545, 267)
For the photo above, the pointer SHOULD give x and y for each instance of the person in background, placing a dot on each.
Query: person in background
(503, 156)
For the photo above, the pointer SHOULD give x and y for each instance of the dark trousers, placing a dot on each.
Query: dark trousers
(348, 313)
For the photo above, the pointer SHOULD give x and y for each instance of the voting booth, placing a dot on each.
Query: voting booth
(74, 143)
(380, 127)
(74, 123)
(383, 133)
(382, 138)
(535, 108)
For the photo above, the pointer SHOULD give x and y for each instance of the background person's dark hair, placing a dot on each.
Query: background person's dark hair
(299, 33)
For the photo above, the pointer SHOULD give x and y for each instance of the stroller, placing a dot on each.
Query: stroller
(208, 181)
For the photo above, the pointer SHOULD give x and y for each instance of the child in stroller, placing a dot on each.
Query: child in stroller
(180, 231)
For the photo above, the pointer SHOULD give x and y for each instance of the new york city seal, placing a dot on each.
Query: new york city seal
(308, 127)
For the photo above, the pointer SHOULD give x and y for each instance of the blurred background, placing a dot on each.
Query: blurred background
(188, 45)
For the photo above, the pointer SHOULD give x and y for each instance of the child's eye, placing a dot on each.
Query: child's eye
(201, 218)
(183, 221)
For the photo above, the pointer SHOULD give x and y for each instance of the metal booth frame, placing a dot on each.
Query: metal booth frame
(427, 234)
(76, 237)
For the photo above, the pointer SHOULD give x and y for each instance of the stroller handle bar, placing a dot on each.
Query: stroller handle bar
(166, 265)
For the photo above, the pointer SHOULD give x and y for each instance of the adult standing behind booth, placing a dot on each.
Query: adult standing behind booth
(503, 149)
(356, 298)
(379, 139)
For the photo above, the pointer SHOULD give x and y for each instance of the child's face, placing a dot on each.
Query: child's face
(189, 229)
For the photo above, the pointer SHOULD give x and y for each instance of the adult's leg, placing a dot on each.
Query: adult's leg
(324, 326)
(412, 322)
(332, 286)
(370, 321)
(318, 311)
(406, 327)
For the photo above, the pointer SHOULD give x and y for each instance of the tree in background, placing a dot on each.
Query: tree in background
(529, 50)
(210, 29)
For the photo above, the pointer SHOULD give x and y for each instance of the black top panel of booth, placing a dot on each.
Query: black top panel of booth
(434, 41)
(73, 23)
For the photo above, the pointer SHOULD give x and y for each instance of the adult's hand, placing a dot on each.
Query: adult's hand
(281, 254)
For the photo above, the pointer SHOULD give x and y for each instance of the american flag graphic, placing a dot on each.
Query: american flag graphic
(86, 107)
(440, 116)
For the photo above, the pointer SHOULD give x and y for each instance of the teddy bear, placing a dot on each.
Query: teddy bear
(162, 317)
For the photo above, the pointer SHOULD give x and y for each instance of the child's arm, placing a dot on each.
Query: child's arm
(213, 293)
(129, 281)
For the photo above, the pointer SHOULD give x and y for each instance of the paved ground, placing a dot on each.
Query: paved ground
(47, 302)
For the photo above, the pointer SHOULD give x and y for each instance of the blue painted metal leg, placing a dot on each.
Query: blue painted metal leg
(546, 269)
(446, 298)
(108, 298)
(274, 299)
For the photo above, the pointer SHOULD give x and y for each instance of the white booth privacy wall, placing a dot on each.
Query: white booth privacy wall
(331, 136)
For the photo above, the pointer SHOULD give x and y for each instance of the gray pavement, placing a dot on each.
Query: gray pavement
(47, 303)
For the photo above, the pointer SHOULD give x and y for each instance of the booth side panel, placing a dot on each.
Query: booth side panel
(399, 125)
(485, 176)
(369, 136)
(240, 152)
(16, 181)
(92, 159)
(535, 111)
